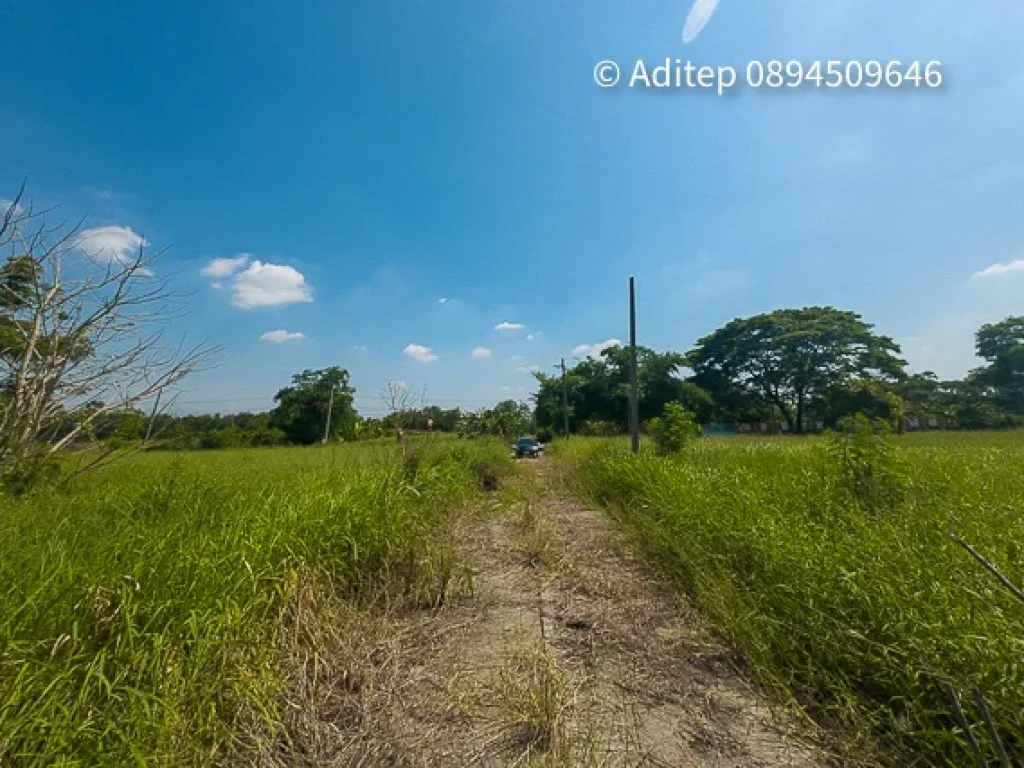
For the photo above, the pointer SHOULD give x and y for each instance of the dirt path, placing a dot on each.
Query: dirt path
(563, 652)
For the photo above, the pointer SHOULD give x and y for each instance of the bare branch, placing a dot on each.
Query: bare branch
(91, 331)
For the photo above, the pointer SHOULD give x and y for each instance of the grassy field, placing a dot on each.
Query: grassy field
(141, 610)
(858, 604)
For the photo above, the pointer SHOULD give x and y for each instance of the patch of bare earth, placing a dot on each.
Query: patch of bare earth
(559, 649)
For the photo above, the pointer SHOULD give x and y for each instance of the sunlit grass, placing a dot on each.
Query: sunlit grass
(138, 608)
(863, 615)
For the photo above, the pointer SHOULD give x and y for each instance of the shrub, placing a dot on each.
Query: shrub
(863, 458)
(597, 428)
(676, 428)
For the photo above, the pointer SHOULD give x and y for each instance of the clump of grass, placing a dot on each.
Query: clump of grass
(138, 609)
(533, 695)
(866, 618)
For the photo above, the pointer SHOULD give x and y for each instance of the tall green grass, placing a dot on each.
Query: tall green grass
(138, 609)
(865, 614)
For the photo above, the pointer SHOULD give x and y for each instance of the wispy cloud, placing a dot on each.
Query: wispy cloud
(100, 194)
(706, 278)
(281, 336)
(594, 350)
(480, 353)
(507, 326)
(225, 267)
(1000, 269)
(845, 152)
(419, 352)
(359, 347)
(6, 205)
(269, 285)
(526, 368)
(698, 18)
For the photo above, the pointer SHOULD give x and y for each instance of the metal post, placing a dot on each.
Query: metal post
(565, 400)
(330, 408)
(634, 387)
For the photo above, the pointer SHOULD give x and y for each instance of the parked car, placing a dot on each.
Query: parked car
(528, 447)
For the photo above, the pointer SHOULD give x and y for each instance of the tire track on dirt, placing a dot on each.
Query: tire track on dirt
(564, 651)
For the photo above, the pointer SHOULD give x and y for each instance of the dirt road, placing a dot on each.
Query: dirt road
(561, 650)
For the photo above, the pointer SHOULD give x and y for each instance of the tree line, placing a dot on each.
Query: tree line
(795, 369)
(300, 417)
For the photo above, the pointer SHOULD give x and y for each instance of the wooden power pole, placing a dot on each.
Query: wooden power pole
(634, 388)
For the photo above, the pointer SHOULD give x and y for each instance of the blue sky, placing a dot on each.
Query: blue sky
(362, 161)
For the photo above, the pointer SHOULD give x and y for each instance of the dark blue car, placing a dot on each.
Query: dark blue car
(528, 447)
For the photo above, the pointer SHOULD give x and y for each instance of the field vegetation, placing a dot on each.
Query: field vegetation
(829, 563)
(143, 606)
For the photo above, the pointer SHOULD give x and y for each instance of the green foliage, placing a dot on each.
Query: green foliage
(302, 408)
(545, 434)
(865, 462)
(674, 431)
(863, 617)
(1002, 345)
(140, 612)
(507, 419)
(598, 428)
(598, 391)
(790, 357)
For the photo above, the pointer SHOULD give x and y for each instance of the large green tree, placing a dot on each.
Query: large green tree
(302, 408)
(790, 358)
(1002, 345)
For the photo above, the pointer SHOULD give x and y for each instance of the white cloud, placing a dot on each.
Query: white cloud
(110, 243)
(526, 368)
(594, 350)
(280, 336)
(224, 267)
(532, 336)
(269, 285)
(507, 326)
(359, 347)
(997, 270)
(517, 359)
(480, 353)
(100, 194)
(419, 352)
(443, 300)
(218, 286)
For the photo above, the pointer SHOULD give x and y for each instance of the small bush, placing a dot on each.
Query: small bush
(545, 434)
(676, 428)
(863, 457)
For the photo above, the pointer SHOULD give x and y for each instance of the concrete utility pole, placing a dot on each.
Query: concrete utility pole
(152, 415)
(634, 387)
(565, 400)
(330, 408)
